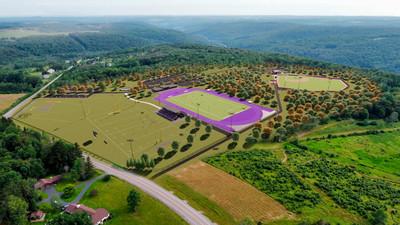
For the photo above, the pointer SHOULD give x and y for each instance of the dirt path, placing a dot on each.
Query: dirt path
(143, 102)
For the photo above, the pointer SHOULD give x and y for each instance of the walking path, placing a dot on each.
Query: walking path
(143, 102)
(52, 193)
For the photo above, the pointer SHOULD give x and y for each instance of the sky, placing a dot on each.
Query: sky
(19, 8)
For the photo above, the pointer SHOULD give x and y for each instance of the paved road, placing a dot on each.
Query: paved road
(22, 104)
(179, 206)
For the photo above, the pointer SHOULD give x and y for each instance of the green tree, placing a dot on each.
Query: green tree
(188, 119)
(235, 136)
(71, 219)
(17, 210)
(133, 200)
(161, 152)
(197, 123)
(190, 139)
(175, 145)
(379, 217)
(208, 129)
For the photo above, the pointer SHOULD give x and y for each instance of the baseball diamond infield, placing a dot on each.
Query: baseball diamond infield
(227, 113)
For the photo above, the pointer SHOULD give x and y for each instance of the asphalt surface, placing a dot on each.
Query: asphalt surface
(180, 207)
(22, 104)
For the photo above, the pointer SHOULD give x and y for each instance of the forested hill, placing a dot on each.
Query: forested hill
(353, 41)
(66, 39)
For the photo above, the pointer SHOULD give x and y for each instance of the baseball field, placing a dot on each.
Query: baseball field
(311, 83)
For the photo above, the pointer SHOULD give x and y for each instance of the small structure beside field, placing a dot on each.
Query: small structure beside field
(98, 215)
(46, 182)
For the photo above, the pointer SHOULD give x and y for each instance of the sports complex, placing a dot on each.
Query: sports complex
(227, 113)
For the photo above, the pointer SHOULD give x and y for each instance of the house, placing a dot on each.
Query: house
(45, 182)
(98, 216)
(37, 216)
(46, 76)
(276, 72)
(51, 71)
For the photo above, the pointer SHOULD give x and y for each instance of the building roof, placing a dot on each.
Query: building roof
(47, 181)
(37, 214)
(98, 215)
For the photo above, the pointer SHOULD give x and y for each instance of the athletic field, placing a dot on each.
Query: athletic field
(208, 105)
(220, 110)
(311, 83)
(116, 126)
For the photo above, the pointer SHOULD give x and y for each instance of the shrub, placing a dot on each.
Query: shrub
(68, 192)
(93, 193)
(106, 178)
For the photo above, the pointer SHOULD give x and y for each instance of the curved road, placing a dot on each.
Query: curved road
(26, 101)
(179, 206)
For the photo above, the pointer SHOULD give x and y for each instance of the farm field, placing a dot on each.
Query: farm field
(261, 169)
(310, 83)
(239, 199)
(6, 100)
(377, 154)
(113, 127)
(208, 105)
(149, 212)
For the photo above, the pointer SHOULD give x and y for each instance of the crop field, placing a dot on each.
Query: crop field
(238, 198)
(6, 100)
(112, 127)
(310, 83)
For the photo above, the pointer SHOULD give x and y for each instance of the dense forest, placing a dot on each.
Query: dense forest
(26, 156)
(72, 39)
(353, 41)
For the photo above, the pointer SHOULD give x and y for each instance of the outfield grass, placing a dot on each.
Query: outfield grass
(310, 83)
(111, 121)
(208, 105)
(112, 196)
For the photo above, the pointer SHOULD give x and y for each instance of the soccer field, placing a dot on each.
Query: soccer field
(117, 127)
(208, 105)
(311, 83)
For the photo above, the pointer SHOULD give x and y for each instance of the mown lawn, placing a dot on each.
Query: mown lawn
(112, 196)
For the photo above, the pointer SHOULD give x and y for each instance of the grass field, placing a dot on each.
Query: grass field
(375, 154)
(112, 196)
(114, 125)
(238, 198)
(6, 100)
(198, 201)
(208, 105)
(310, 83)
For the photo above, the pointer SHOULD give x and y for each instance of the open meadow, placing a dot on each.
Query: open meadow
(114, 127)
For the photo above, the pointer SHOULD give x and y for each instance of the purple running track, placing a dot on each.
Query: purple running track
(239, 121)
